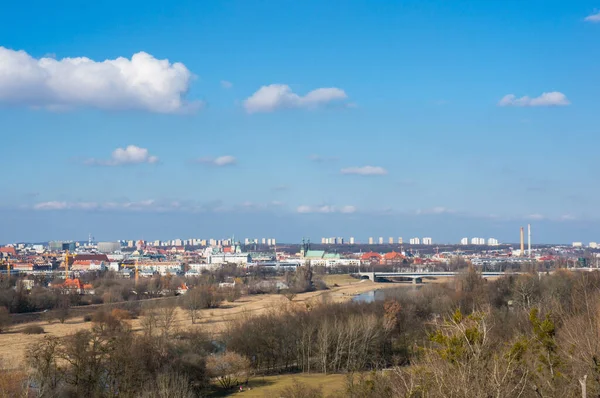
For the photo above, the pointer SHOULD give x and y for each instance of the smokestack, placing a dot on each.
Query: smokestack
(522, 242)
(529, 240)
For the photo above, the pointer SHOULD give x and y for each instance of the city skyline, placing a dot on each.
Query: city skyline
(299, 119)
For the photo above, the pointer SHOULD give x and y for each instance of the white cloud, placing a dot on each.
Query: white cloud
(322, 159)
(226, 84)
(278, 96)
(593, 17)
(51, 206)
(142, 82)
(436, 210)
(553, 98)
(568, 217)
(149, 204)
(305, 209)
(535, 216)
(121, 156)
(219, 161)
(348, 209)
(365, 170)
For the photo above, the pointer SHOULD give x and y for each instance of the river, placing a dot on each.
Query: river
(380, 294)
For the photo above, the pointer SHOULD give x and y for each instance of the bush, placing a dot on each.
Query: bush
(87, 318)
(4, 319)
(300, 390)
(120, 314)
(33, 329)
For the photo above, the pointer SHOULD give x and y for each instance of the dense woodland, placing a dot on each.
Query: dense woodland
(527, 335)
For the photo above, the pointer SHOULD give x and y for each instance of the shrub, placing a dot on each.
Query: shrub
(87, 318)
(4, 319)
(229, 369)
(33, 329)
(300, 390)
(121, 314)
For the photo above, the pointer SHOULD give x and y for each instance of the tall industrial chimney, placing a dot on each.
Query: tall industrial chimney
(529, 240)
(522, 242)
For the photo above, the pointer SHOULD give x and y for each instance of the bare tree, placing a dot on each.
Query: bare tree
(5, 320)
(169, 385)
(193, 302)
(166, 315)
(229, 369)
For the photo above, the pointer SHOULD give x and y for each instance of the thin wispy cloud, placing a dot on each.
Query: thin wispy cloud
(535, 216)
(306, 209)
(63, 205)
(365, 171)
(124, 156)
(435, 210)
(595, 18)
(280, 96)
(142, 82)
(226, 84)
(220, 161)
(322, 159)
(553, 98)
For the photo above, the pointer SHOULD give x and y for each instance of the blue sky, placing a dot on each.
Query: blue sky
(299, 118)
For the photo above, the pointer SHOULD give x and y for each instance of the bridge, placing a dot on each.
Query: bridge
(417, 277)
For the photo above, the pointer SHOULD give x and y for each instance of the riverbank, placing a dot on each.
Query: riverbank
(14, 344)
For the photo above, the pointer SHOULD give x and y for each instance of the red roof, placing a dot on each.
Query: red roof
(28, 266)
(9, 250)
(228, 249)
(97, 258)
(393, 256)
(370, 256)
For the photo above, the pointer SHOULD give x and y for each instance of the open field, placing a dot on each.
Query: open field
(269, 386)
(13, 343)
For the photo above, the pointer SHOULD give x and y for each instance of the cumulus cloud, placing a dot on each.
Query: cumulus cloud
(365, 170)
(226, 84)
(121, 156)
(219, 161)
(553, 98)
(305, 209)
(279, 96)
(593, 18)
(142, 82)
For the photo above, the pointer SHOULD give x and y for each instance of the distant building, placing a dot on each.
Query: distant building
(464, 241)
(222, 258)
(400, 241)
(492, 242)
(8, 251)
(381, 240)
(478, 241)
(391, 241)
(351, 241)
(370, 241)
(415, 241)
(577, 244)
(427, 241)
(109, 247)
(59, 246)
(593, 245)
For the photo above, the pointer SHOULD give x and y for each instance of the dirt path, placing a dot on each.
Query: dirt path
(13, 343)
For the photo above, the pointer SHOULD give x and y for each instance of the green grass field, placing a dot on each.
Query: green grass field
(270, 386)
